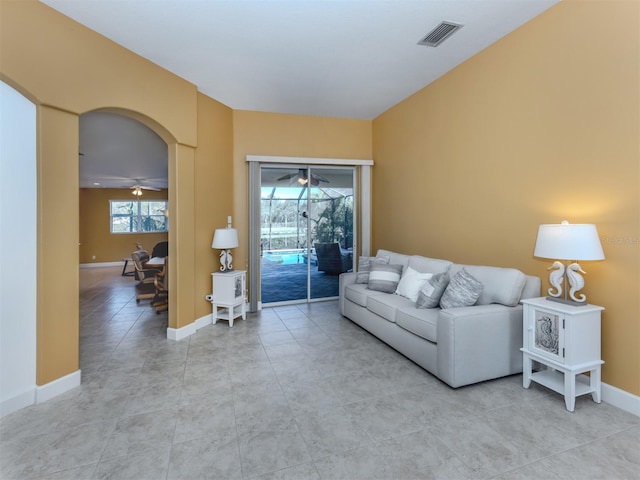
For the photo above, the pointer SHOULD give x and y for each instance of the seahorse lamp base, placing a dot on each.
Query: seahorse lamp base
(567, 301)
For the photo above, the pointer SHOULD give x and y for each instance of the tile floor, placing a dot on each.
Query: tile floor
(292, 393)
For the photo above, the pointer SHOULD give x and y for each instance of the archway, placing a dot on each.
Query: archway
(117, 153)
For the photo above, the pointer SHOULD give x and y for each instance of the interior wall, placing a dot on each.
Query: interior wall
(272, 134)
(17, 250)
(213, 192)
(541, 126)
(66, 70)
(96, 238)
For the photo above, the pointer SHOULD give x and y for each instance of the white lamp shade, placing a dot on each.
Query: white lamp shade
(225, 238)
(568, 241)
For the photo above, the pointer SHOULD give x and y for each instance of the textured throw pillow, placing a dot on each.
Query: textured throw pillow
(364, 264)
(411, 282)
(463, 291)
(384, 277)
(430, 293)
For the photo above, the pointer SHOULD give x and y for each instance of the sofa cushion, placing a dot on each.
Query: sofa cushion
(384, 277)
(501, 285)
(463, 291)
(428, 265)
(397, 258)
(358, 293)
(431, 292)
(364, 265)
(387, 306)
(411, 282)
(420, 322)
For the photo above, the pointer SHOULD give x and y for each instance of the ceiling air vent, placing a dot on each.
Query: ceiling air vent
(436, 36)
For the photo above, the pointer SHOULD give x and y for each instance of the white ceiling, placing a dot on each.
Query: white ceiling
(336, 58)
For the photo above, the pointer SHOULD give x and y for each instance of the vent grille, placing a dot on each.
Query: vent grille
(439, 34)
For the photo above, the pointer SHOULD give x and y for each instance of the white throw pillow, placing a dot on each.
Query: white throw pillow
(411, 283)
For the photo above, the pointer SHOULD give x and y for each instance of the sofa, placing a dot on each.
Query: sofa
(460, 345)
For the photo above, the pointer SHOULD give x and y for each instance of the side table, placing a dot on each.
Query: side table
(565, 340)
(228, 299)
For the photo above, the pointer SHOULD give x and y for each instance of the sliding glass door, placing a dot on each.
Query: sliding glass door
(306, 231)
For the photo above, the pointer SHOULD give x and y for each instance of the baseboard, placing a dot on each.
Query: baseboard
(619, 398)
(188, 330)
(57, 387)
(21, 400)
(39, 394)
(101, 264)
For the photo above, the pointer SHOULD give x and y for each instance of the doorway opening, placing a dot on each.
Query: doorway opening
(307, 234)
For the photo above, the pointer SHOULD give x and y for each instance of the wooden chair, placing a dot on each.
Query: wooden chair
(161, 283)
(331, 260)
(145, 274)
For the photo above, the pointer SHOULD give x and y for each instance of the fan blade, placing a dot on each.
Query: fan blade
(319, 178)
(287, 177)
(150, 188)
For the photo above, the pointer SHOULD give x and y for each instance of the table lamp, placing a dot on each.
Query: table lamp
(225, 239)
(566, 242)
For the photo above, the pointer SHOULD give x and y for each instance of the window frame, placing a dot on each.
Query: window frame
(137, 218)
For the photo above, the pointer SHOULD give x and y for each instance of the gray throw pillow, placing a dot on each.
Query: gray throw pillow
(430, 293)
(463, 291)
(384, 277)
(364, 264)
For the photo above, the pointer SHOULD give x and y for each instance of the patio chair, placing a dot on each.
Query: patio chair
(144, 274)
(161, 282)
(331, 259)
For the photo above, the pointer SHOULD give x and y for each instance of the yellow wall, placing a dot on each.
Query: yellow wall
(540, 127)
(95, 229)
(213, 192)
(259, 133)
(66, 70)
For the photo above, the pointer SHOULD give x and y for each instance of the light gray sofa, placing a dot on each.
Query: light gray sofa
(461, 345)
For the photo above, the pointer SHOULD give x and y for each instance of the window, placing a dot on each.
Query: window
(138, 216)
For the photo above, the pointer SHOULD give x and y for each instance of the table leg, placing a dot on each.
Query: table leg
(526, 370)
(595, 385)
(570, 390)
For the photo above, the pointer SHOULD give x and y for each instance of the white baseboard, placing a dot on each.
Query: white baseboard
(17, 402)
(39, 394)
(188, 330)
(619, 398)
(101, 264)
(58, 387)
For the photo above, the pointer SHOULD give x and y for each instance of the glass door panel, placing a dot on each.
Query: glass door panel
(331, 223)
(283, 236)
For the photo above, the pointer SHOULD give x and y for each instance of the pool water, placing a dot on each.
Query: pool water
(285, 257)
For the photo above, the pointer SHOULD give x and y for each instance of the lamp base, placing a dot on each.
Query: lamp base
(225, 261)
(566, 301)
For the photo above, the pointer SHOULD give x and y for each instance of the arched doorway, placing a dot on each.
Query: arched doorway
(123, 179)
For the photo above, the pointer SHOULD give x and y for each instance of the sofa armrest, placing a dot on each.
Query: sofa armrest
(479, 343)
(348, 278)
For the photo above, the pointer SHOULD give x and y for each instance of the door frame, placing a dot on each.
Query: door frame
(362, 197)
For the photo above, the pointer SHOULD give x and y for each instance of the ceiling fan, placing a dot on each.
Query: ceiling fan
(137, 189)
(303, 178)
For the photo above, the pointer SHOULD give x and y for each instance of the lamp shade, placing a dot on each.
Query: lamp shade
(566, 241)
(225, 238)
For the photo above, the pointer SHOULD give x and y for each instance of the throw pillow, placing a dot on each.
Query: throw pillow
(430, 293)
(463, 291)
(384, 277)
(364, 264)
(411, 282)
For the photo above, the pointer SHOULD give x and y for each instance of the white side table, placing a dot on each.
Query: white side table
(228, 300)
(565, 340)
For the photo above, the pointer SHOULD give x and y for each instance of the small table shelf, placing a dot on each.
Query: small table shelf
(565, 341)
(228, 299)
